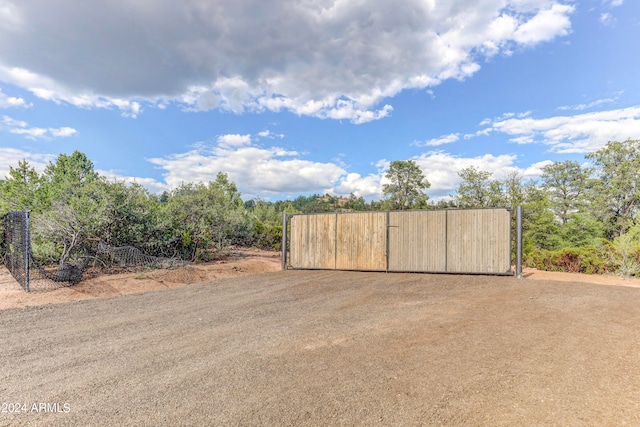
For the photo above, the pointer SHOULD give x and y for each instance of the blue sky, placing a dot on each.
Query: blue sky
(298, 97)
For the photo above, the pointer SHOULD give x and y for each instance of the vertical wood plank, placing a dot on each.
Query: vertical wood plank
(417, 241)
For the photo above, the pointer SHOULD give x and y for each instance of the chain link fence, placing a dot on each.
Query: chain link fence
(15, 250)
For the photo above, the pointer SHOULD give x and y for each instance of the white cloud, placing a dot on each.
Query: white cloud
(441, 170)
(581, 107)
(607, 19)
(46, 88)
(62, 132)
(268, 171)
(270, 135)
(535, 170)
(445, 139)
(580, 133)
(13, 123)
(546, 25)
(331, 59)
(257, 171)
(12, 101)
(150, 184)
(368, 187)
(234, 140)
(20, 127)
(10, 157)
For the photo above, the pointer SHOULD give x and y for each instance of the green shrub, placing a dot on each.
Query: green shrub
(625, 254)
(585, 259)
(268, 236)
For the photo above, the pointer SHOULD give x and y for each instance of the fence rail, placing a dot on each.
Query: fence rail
(445, 241)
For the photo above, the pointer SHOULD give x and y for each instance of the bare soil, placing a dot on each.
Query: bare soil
(309, 348)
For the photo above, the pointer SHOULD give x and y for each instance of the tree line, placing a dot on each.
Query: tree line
(576, 217)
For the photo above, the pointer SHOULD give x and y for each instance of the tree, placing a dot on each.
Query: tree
(478, 190)
(73, 207)
(566, 183)
(406, 187)
(514, 189)
(355, 203)
(199, 215)
(69, 177)
(540, 228)
(20, 191)
(617, 188)
(129, 216)
(581, 229)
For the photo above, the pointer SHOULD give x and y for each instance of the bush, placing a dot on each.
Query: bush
(268, 237)
(626, 252)
(585, 259)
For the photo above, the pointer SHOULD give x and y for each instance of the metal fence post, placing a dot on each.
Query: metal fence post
(27, 251)
(284, 241)
(519, 242)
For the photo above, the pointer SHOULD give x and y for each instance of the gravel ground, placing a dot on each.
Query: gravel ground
(312, 348)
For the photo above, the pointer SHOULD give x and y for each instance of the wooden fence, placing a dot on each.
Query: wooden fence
(445, 241)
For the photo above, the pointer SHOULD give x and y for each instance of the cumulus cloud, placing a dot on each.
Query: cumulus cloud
(234, 140)
(441, 170)
(545, 25)
(256, 170)
(267, 171)
(368, 186)
(20, 127)
(580, 133)
(331, 59)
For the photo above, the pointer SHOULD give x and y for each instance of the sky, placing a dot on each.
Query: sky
(296, 97)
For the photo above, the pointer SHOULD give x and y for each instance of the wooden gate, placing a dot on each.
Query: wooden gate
(445, 241)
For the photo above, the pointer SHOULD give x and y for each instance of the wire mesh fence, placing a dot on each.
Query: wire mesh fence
(130, 256)
(16, 246)
(19, 260)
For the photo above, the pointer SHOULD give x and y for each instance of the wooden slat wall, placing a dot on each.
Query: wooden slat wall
(313, 241)
(417, 241)
(452, 241)
(478, 241)
(362, 241)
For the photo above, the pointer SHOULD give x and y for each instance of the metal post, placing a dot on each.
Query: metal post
(519, 242)
(284, 241)
(27, 249)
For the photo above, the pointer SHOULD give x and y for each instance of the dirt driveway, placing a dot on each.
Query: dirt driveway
(329, 348)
